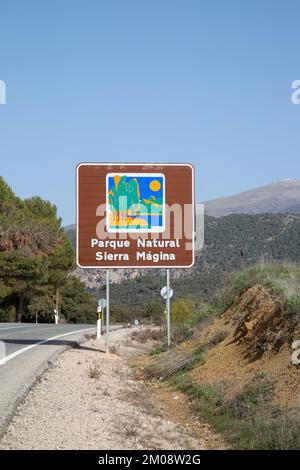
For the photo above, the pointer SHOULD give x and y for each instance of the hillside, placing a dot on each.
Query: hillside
(279, 197)
(236, 372)
(231, 243)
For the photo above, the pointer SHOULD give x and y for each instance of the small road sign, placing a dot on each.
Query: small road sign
(164, 291)
(102, 303)
(136, 322)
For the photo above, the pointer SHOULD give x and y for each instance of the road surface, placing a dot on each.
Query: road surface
(25, 351)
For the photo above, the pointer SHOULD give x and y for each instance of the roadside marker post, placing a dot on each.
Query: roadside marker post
(100, 318)
(99, 322)
(135, 215)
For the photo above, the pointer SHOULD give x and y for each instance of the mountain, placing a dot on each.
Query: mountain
(256, 224)
(279, 197)
(232, 242)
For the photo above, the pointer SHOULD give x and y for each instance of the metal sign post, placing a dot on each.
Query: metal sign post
(107, 310)
(167, 294)
(168, 309)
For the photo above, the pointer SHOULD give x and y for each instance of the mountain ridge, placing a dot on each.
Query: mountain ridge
(278, 197)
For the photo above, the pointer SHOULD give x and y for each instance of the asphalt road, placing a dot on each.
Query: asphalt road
(25, 352)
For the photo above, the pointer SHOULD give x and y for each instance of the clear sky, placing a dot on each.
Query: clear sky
(208, 82)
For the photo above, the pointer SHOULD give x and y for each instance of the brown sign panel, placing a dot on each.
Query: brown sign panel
(135, 215)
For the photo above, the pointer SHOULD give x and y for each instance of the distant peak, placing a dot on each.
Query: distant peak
(286, 180)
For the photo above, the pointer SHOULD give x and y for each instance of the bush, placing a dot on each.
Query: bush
(254, 394)
(180, 359)
(292, 303)
(280, 433)
(148, 334)
(181, 311)
(8, 314)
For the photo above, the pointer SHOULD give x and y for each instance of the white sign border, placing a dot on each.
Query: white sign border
(141, 230)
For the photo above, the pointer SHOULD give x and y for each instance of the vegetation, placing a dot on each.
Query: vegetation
(140, 297)
(238, 241)
(174, 361)
(181, 311)
(248, 418)
(36, 258)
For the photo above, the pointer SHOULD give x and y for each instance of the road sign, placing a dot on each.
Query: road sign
(136, 322)
(164, 291)
(102, 303)
(135, 215)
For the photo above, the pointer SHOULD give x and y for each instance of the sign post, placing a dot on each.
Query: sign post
(134, 215)
(107, 311)
(168, 309)
(167, 294)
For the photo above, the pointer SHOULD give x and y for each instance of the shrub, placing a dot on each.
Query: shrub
(280, 433)
(180, 359)
(181, 311)
(292, 303)
(94, 371)
(148, 334)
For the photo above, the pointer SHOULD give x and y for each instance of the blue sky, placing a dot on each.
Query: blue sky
(208, 82)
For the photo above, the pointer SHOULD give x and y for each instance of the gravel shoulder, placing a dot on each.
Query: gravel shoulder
(90, 400)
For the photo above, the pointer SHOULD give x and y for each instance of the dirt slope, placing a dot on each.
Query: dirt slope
(259, 333)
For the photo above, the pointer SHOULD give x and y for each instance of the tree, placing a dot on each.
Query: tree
(77, 305)
(181, 311)
(154, 310)
(29, 233)
(61, 262)
(42, 306)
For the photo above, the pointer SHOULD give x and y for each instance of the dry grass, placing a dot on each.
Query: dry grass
(280, 433)
(149, 334)
(94, 371)
(175, 360)
(114, 349)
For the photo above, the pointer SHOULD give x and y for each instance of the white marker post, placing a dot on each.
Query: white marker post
(99, 322)
(107, 310)
(100, 317)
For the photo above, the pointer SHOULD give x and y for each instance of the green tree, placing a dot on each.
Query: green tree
(77, 305)
(61, 262)
(29, 232)
(181, 311)
(154, 310)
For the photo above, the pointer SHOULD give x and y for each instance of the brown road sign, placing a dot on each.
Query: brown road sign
(135, 215)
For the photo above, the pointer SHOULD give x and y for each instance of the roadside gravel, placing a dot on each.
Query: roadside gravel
(89, 400)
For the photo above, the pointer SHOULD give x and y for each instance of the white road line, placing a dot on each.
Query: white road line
(14, 327)
(23, 350)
